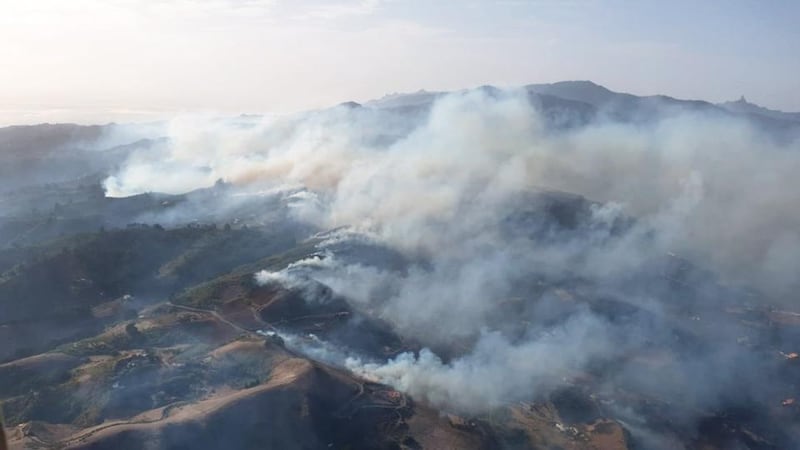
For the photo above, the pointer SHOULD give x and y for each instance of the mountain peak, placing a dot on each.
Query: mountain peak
(350, 105)
(577, 90)
(745, 107)
(578, 83)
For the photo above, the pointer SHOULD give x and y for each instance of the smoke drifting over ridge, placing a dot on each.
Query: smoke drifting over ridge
(459, 193)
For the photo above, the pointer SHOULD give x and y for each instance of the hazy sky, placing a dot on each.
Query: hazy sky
(99, 60)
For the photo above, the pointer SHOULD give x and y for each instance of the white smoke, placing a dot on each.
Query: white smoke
(439, 191)
(496, 371)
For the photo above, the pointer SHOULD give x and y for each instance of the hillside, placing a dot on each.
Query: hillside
(552, 266)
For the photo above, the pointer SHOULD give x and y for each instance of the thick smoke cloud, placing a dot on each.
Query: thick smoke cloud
(459, 192)
(496, 371)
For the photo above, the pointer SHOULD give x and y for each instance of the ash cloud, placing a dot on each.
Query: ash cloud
(470, 194)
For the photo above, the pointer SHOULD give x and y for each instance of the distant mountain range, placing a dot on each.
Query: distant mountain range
(587, 100)
(742, 106)
(58, 151)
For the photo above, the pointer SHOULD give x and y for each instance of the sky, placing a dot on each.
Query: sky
(94, 61)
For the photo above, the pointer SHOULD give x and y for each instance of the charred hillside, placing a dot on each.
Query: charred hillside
(551, 266)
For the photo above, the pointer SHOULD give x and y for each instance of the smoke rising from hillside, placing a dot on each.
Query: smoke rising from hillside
(461, 192)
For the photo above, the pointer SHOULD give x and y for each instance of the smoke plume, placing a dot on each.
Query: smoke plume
(501, 225)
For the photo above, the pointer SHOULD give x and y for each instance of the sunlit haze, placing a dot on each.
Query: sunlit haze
(91, 61)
